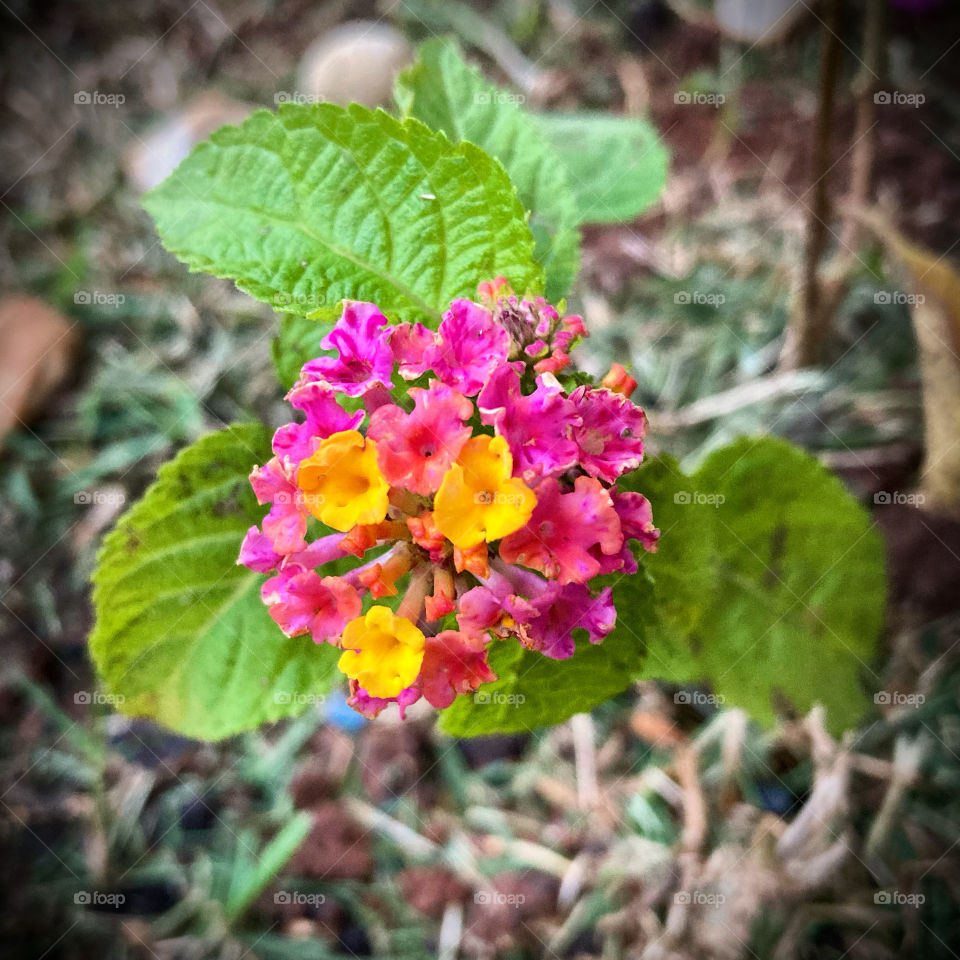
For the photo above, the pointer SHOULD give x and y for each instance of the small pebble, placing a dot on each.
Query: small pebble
(355, 62)
(152, 157)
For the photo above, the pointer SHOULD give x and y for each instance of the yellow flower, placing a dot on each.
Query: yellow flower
(342, 483)
(382, 652)
(478, 500)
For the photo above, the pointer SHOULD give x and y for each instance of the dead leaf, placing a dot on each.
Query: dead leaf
(36, 350)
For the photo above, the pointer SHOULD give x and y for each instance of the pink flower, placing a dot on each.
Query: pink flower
(545, 619)
(410, 343)
(610, 435)
(300, 601)
(574, 326)
(364, 359)
(636, 522)
(636, 518)
(286, 523)
(570, 608)
(321, 408)
(537, 427)
(469, 347)
(257, 553)
(563, 530)
(453, 663)
(496, 605)
(416, 449)
(556, 362)
(294, 442)
(426, 462)
(372, 707)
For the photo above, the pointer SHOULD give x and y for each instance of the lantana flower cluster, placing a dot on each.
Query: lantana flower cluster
(481, 498)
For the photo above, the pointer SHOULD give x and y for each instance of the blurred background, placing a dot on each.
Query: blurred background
(328, 837)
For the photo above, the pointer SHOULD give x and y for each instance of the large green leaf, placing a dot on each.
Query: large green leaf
(448, 95)
(533, 691)
(181, 633)
(769, 581)
(616, 166)
(314, 204)
(686, 581)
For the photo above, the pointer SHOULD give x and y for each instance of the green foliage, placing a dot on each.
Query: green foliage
(181, 633)
(448, 95)
(682, 569)
(616, 166)
(251, 874)
(313, 204)
(769, 581)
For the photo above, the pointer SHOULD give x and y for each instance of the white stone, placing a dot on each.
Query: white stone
(757, 21)
(155, 155)
(355, 62)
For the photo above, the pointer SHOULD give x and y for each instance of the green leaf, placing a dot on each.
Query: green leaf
(181, 633)
(533, 690)
(314, 204)
(785, 597)
(448, 95)
(683, 569)
(252, 875)
(616, 166)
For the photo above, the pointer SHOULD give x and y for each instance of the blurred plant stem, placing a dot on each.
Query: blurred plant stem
(809, 323)
(864, 139)
(822, 292)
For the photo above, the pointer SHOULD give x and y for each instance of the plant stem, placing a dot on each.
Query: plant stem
(809, 324)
